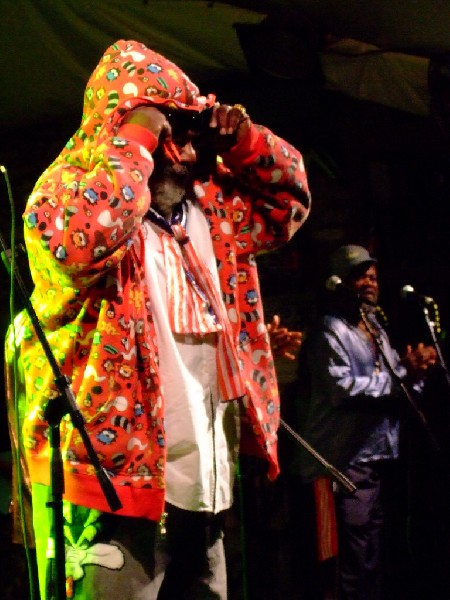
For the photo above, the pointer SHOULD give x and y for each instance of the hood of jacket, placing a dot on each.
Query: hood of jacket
(128, 75)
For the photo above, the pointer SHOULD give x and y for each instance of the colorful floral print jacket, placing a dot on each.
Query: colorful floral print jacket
(83, 230)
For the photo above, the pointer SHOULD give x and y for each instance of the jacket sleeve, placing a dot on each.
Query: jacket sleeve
(271, 181)
(84, 213)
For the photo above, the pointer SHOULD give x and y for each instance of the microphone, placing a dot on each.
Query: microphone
(335, 284)
(408, 291)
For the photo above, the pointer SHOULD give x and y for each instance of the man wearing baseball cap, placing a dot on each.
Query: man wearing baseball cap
(353, 414)
(346, 258)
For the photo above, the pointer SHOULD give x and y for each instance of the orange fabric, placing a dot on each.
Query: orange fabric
(171, 151)
(230, 381)
(139, 134)
(84, 237)
(327, 542)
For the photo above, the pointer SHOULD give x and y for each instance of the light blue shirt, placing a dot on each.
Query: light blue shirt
(352, 414)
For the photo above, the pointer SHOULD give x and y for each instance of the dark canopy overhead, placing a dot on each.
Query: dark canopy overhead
(50, 46)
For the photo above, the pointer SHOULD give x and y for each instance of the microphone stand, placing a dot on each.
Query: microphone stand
(54, 412)
(337, 475)
(431, 328)
(375, 328)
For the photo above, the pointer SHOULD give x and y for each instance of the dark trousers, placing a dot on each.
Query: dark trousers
(369, 533)
(110, 556)
(194, 550)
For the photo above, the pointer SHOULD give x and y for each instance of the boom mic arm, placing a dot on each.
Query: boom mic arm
(408, 291)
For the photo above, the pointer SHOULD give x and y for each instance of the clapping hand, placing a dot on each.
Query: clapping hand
(284, 343)
(418, 360)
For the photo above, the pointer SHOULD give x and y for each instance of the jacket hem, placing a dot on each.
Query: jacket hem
(84, 490)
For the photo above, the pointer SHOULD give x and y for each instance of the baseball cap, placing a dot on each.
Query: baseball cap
(346, 258)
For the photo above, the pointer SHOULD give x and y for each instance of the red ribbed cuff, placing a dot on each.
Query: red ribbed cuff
(247, 150)
(139, 134)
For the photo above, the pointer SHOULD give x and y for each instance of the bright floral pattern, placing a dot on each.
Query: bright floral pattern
(84, 240)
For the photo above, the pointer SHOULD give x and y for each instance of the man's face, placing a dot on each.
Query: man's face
(172, 178)
(364, 282)
(176, 157)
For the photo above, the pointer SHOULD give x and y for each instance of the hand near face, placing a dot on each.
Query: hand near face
(231, 120)
(150, 118)
(228, 126)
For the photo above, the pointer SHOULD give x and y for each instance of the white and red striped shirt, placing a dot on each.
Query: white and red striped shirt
(201, 429)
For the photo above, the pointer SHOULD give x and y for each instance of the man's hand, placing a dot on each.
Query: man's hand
(418, 360)
(284, 343)
(150, 118)
(232, 124)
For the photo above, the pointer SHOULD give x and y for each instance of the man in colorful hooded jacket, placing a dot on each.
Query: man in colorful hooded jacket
(147, 290)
